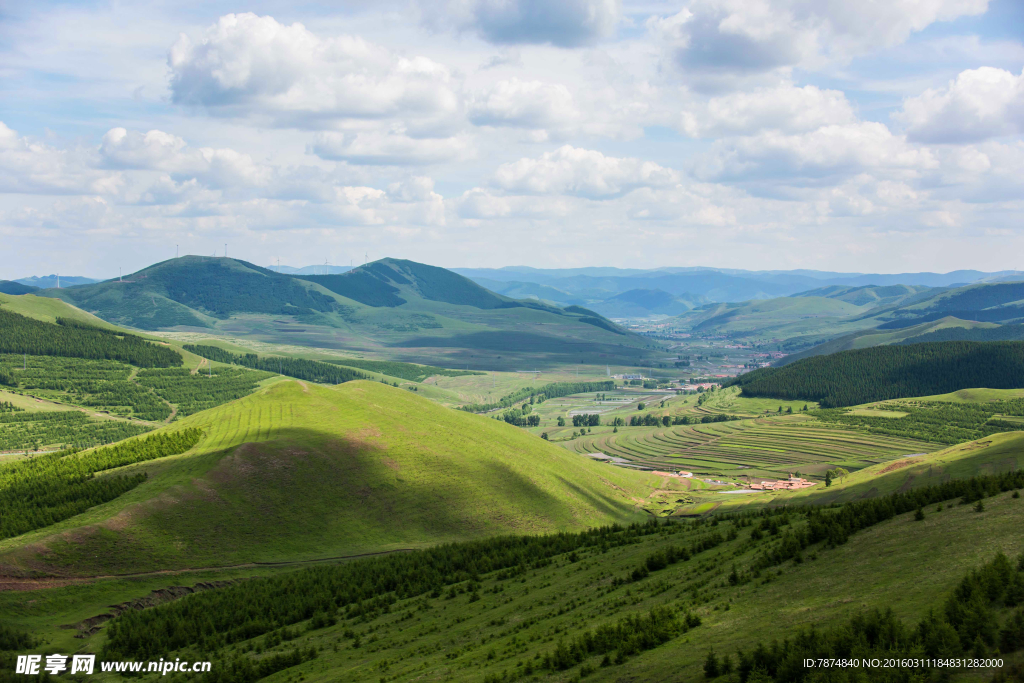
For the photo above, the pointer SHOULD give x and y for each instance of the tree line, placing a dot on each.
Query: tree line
(540, 394)
(299, 368)
(43, 490)
(886, 372)
(63, 428)
(72, 339)
(407, 371)
(362, 588)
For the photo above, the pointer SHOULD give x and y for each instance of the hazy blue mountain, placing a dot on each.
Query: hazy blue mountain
(47, 281)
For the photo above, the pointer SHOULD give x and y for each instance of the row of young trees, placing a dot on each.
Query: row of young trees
(938, 422)
(192, 393)
(887, 372)
(44, 490)
(540, 394)
(65, 428)
(362, 588)
(300, 368)
(71, 339)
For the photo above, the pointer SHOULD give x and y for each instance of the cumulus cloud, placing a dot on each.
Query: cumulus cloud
(389, 148)
(981, 103)
(525, 104)
(157, 150)
(566, 23)
(582, 172)
(834, 150)
(28, 166)
(247, 65)
(709, 39)
(785, 107)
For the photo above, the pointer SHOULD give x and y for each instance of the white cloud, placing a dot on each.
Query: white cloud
(389, 148)
(246, 65)
(784, 107)
(157, 150)
(566, 23)
(29, 166)
(981, 103)
(711, 39)
(582, 172)
(525, 104)
(834, 150)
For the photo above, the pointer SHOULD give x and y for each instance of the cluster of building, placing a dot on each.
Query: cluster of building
(790, 484)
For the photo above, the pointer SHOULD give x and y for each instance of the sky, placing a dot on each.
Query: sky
(881, 136)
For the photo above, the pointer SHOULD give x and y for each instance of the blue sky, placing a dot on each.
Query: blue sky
(825, 134)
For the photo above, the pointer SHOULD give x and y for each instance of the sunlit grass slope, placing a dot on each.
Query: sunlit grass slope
(300, 471)
(47, 309)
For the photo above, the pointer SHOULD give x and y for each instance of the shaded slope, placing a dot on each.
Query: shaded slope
(181, 292)
(870, 294)
(392, 282)
(15, 288)
(301, 471)
(646, 302)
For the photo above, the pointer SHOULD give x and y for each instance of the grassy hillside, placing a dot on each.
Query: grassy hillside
(515, 612)
(991, 302)
(395, 309)
(15, 288)
(870, 294)
(885, 372)
(190, 290)
(299, 471)
(48, 310)
(799, 317)
(638, 303)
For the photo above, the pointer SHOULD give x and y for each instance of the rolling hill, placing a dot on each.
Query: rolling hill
(643, 303)
(885, 372)
(16, 288)
(870, 294)
(395, 308)
(299, 471)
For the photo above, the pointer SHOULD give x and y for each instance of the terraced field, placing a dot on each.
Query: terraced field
(771, 447)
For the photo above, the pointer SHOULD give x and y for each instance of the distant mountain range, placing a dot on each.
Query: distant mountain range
(47, 281)
(398, 308)
(836, 318)
(599, 288)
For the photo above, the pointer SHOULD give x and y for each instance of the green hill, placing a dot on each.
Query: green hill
(299, 471)
(15, 288)
(785, 317)
(394, 308)
(886, 372)
(1001, 302)
(975, 333)
(638, 303)
(870, 294)
(922, 332)
(646, 602)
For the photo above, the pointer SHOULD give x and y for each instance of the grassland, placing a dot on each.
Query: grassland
(495, 624)
(297, 471)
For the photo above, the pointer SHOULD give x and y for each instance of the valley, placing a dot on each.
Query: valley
(483, 503)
